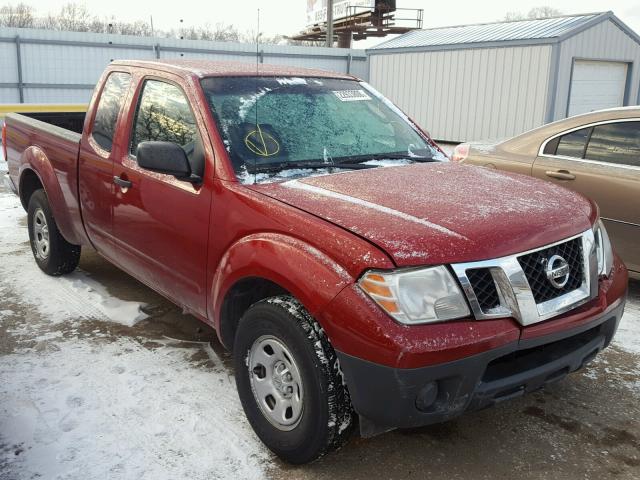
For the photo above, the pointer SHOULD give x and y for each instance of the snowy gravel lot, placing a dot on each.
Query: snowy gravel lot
(102, 378)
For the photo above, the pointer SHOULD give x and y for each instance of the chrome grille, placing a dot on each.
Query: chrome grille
(534, 265)
(484, 288)
(515, 285)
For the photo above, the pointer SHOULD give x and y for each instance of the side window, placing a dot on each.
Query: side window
(113, 93)
(164, 115)
(615, 143)
(572, 144)
(551, 146)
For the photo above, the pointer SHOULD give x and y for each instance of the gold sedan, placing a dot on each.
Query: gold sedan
(596, 154)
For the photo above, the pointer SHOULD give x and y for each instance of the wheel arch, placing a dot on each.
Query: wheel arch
(36, 172)
(29, 182)
(264, 265)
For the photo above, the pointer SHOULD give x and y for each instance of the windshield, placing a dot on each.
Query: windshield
(286, 127)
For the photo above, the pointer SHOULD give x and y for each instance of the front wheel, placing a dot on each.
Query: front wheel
(53, 254)
(289, 381)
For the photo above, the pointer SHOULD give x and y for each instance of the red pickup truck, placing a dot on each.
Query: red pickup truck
(350, 267)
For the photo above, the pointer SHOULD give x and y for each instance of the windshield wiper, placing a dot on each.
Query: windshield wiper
(312, 165)
(382, 156)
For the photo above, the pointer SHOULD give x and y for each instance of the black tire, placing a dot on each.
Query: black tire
(60, 257)
(327, 415)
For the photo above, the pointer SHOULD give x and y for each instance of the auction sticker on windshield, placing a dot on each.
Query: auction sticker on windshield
(351, 95)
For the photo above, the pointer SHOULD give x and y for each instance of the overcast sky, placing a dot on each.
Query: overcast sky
(287, 17)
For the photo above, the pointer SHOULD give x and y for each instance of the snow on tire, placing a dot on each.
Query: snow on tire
(289, 381)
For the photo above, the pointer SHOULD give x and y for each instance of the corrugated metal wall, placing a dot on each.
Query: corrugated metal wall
(62, 67)
(604, 41)
(471, 94)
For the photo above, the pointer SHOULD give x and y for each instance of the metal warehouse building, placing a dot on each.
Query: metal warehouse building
(496, 80)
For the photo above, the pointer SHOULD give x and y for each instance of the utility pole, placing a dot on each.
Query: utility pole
(329, 23)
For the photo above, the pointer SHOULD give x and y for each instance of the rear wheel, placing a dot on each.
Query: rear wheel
(289, 381)
(53, 254)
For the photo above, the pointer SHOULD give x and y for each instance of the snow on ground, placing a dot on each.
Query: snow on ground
(91, 405)
(96, 410)
(628, 335)
(76, 294)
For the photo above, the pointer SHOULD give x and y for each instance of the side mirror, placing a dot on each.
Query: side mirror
(166, 157)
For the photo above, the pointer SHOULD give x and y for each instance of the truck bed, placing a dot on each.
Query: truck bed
(31, 141)
(67, 116)
(73, 121)
(67, 126)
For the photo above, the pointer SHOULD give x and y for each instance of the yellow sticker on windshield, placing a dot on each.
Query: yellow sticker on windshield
(261, 143)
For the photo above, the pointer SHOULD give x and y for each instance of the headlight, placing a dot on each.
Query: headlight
(604, 252)
(423, 295)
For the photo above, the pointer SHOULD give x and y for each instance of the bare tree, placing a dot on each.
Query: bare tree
(250, 36)
(305, 43)
(20, 15)
(139, 28)
(534, 14)
(543, 12)
(76, 17)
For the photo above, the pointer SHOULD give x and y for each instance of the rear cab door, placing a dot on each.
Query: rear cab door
(601, 161)
(160, 223)
(98, 148)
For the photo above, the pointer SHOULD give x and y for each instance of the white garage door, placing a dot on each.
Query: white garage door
(597, 85)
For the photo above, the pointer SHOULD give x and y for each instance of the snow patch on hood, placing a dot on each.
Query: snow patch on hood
(247, 178)
(390, 211)
(470, 213)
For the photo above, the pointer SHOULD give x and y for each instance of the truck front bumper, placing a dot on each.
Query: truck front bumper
(387, 397)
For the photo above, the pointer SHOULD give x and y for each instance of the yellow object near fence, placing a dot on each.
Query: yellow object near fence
(41, 107)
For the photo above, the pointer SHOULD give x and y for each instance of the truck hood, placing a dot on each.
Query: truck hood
(434, 213)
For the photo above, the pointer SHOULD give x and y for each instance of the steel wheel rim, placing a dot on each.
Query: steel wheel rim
(41, 234)
(276, 382)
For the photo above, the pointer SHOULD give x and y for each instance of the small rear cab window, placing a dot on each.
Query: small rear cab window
(111, 100)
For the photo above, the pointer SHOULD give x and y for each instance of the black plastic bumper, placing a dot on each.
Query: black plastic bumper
(387, 398)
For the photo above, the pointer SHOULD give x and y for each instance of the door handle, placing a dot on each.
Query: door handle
(121, 182)
(560, 174)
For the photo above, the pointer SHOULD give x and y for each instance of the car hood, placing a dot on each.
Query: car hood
(433, 213)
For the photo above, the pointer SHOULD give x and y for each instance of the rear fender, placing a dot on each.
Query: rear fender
(35, 160)
(308, 274)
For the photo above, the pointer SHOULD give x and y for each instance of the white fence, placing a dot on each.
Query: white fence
(44, 66)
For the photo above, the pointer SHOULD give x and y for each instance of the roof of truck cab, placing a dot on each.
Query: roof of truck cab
(209, 68)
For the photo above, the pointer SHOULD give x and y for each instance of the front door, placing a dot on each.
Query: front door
(603, 163)
(160, 223)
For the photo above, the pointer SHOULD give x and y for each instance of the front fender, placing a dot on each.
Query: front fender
(310, 275)
(35, 160)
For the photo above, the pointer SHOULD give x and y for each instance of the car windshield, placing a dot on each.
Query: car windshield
(276, 128)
